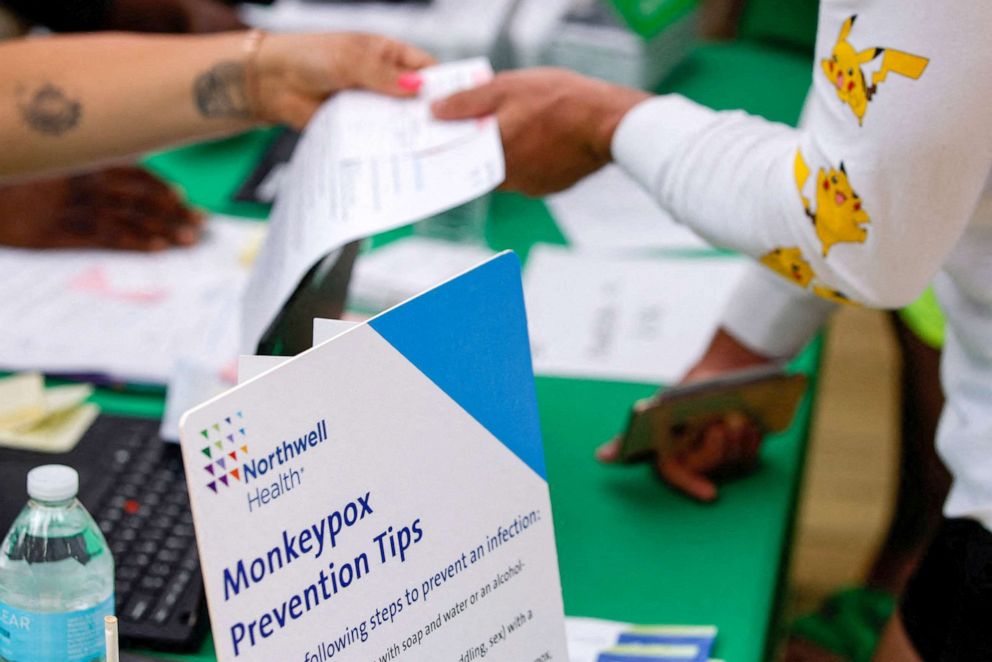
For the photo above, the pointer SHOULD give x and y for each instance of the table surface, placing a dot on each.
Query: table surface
(629, 548)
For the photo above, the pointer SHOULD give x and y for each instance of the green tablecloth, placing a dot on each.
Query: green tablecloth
(629, 548)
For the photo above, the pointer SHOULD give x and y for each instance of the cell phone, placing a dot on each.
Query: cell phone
(768, 395)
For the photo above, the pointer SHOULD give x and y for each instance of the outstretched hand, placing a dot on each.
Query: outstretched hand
(556, 125)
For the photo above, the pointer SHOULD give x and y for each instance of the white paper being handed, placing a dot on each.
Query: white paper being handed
(366, 164)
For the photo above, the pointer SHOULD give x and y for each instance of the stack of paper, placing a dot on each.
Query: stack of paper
(593, 640)
(127, 316)
(639, 319)
(595, 41)
(50, 420)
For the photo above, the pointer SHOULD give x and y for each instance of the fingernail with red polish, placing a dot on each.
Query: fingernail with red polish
(410, 81)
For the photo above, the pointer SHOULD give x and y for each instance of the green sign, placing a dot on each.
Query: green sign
(649, 17)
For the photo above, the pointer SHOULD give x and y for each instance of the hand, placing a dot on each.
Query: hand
(179, 16)
(119, 208)
(724, 448)
(297, 72)
(556, 126)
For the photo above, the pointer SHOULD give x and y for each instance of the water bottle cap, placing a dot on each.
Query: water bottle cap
(53, 482)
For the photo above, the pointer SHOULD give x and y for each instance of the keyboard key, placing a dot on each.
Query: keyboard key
(169, 556)
(160, 569)
(151, 583)
(138, 560)
(138, 606)
(128, 573)
(177, 543)
(161, 615)
(123, 590)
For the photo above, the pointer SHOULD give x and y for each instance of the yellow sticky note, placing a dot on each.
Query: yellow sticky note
(60, 398)
(56, 433)
(22, 400)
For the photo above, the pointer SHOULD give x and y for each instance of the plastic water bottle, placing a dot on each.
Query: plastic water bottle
(56, 576)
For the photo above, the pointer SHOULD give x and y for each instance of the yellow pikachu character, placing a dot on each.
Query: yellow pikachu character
(790, 264)
(843, 69)
(839, 216)
(831, 294)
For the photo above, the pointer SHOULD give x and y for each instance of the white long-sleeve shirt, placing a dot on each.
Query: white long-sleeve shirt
(887, 184)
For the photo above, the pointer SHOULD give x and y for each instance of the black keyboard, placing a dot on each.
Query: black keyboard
(146, 519)
(133, 485)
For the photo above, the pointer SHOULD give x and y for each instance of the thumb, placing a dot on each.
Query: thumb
(472, 103)
(609, 452)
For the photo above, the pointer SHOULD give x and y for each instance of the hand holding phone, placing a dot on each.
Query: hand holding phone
(709, 428)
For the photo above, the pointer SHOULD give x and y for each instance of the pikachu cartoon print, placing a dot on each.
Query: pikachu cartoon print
(839, 216)
(789, 263)
(845, 69)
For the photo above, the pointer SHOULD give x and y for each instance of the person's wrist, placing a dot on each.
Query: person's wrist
(724, 354)
(256, 71)
(617, 101)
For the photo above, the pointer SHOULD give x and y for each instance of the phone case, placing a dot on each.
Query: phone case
(769, 396)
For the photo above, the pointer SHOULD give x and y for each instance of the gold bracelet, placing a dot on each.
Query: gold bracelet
(251, 46)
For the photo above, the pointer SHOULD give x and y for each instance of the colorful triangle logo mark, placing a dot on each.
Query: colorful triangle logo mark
(230, 438)
(240, 415)
(210, 468)
(212, 485)
(221, 464)
(233, 455)
(217, 427)
(228, 420)
(206, 435)
(218, 444)
(242, 431)
(223, 479)
(236, 474)
(244, 449)
(206, 451)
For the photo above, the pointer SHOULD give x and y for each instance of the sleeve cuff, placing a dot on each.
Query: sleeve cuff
(772, 317)
(653, 132)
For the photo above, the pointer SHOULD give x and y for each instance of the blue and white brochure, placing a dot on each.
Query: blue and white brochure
(383, 495)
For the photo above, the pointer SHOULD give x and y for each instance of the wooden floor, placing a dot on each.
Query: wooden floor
(851, 467)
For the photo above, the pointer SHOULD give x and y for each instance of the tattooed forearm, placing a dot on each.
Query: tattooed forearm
(48, 110)
(220, 91)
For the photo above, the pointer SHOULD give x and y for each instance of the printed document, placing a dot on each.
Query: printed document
(636, 319)
(366, 164)
(127, 316)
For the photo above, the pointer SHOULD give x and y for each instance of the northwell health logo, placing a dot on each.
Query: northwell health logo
(263, 474)
(227, 445)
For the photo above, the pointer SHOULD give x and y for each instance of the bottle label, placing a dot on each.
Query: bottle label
(74, 636)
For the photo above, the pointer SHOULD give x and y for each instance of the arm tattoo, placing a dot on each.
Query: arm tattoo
(220, 91)
(48, 110)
